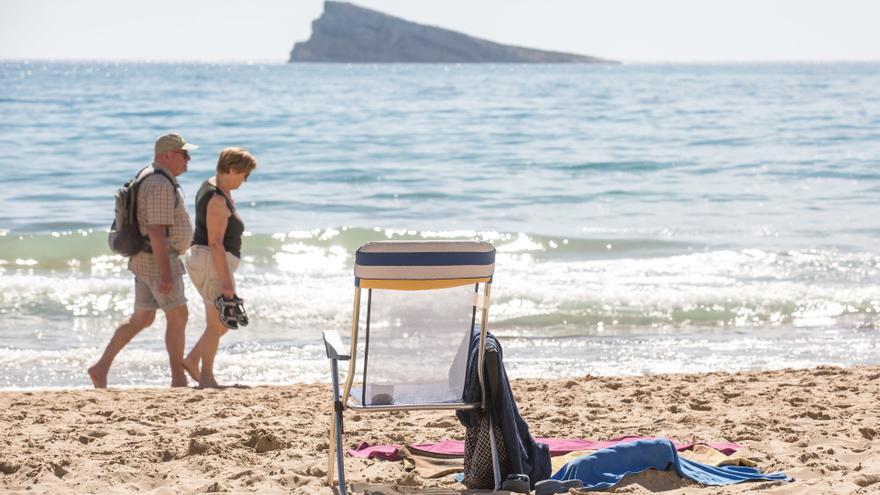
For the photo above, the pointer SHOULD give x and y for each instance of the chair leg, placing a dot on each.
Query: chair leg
(331, 446)
(496, 464)
(337, 429)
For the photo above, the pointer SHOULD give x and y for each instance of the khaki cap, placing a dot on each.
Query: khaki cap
(172, 142)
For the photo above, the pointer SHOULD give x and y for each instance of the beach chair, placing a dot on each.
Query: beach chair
(410, 343)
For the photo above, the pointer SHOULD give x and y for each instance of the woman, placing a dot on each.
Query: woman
(213, 258)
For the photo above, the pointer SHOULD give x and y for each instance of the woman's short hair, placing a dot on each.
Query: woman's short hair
(235, 160)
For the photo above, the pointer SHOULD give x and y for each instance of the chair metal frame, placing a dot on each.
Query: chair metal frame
(342, 400)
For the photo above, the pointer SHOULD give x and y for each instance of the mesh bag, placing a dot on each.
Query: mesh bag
(478, 472)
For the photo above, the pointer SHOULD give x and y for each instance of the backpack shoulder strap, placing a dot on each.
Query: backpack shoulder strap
(163, 174)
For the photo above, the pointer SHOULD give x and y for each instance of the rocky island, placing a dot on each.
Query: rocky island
(350, 34)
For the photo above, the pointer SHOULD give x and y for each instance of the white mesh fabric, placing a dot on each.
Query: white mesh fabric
(418, 345)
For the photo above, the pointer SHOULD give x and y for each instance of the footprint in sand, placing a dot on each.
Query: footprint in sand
(808, 456)
(90, 436)
(58, 468)
(817, 415)
(444, 423)
(197, 447)
(215, 487)
(8, 467)
(865, 480)
(263, 441)
(202, 432)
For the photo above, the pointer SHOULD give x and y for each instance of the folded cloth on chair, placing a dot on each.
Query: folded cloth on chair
(444, 449)
(605, 468)
(708, 455)
(524, 454)
(430, 466)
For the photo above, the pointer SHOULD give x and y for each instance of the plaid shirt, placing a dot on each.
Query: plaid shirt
(160, 203)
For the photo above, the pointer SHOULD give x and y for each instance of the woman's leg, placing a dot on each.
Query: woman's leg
(205, 349)
(191, 361)
(207, 346)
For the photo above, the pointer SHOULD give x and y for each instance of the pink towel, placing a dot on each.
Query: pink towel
(446, 448)
(383, 452)
(558, 446)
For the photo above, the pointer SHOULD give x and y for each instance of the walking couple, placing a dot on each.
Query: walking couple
(213, 252)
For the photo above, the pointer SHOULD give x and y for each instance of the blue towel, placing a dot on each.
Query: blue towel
(605, 468)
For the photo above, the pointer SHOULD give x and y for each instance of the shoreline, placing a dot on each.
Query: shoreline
(819, 425)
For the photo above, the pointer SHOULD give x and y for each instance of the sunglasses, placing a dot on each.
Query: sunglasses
(184, 153)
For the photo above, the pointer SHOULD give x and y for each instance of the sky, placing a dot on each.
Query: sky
(625, 30)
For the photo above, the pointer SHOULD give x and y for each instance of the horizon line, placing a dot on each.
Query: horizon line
(273, 61)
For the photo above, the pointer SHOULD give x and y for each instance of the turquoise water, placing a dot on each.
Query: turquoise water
(648, 218)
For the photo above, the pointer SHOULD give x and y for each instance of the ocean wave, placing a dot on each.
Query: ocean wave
(83, 248)
(543, 285)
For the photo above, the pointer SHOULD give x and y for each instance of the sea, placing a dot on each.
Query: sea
(648, 218)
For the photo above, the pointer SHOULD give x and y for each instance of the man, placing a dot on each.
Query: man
(163, 219)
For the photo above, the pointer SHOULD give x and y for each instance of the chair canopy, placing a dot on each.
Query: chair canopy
(419, 265)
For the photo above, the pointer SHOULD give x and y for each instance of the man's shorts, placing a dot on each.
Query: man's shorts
(147, 295)
(201, 269)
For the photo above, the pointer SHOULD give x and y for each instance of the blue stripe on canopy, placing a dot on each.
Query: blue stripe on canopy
(424, 259)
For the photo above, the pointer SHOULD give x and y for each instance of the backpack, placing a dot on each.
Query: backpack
(125, 238)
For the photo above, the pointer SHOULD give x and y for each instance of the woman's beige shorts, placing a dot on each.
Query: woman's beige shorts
(203, 273)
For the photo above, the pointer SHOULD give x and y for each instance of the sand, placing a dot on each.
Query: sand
(821, 426)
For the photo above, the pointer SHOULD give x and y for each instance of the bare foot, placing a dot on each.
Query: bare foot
(179, 381)
(208, 382)
(98, 376)
(191, 368)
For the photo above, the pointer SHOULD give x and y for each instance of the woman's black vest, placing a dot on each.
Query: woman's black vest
(234, 227)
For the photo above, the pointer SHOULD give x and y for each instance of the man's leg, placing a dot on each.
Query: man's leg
(173, 303)
(175, 341)
(131, 326)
